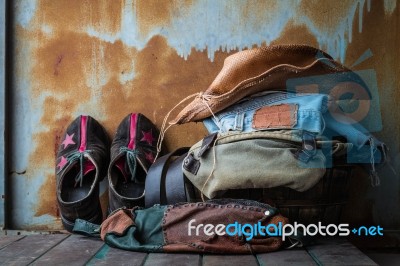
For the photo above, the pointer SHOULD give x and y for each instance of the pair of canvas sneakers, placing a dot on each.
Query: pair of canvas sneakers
(85, 157)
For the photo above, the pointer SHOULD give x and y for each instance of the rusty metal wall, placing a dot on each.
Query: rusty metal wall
(109, 58)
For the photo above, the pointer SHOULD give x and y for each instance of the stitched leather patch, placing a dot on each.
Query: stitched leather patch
(276, 116)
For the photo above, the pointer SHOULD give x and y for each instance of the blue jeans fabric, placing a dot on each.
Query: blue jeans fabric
(239, 117)
(312, 116)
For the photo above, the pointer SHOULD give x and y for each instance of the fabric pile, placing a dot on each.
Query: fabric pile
(277, 116)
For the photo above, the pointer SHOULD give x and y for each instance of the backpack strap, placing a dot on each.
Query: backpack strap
(86, 228)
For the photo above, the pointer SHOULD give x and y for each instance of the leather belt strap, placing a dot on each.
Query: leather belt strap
(175, 190)
(157, 174)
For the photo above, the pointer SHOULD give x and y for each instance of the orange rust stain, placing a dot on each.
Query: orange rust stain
(53, 108)
(377, 35)
(57, 64)
(119, 60)
(62, 62)
(257, 9)
(296, 34)
(326, 15)
(153, 13)
(47, 201)
(162, 79)
(73, 15)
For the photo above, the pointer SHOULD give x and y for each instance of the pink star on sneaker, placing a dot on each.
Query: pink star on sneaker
(68, 140)
(148, 137)
(62, 162)
(149, 156)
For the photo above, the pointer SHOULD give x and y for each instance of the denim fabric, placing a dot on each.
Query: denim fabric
(239, 117)
(312, 116)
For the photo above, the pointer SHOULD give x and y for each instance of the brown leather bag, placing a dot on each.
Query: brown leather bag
(263, 69)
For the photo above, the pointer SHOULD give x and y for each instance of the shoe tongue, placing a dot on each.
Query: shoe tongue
(120, 164)
(88, 167)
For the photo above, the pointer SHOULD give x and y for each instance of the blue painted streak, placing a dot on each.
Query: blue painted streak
(220, 25)
(24, 11)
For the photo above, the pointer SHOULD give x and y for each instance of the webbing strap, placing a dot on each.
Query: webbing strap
(86, 228)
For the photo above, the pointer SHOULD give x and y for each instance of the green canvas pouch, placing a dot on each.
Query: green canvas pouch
(200, 227)
(261, 159)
